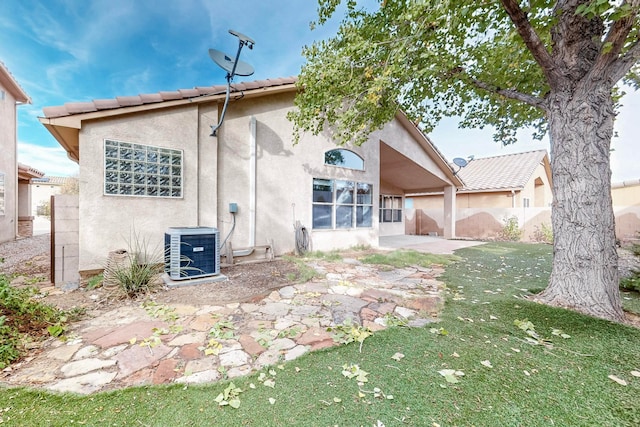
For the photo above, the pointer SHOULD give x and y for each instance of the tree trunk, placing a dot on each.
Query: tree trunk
(584, 276)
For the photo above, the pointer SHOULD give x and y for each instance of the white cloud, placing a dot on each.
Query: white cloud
(53, 161)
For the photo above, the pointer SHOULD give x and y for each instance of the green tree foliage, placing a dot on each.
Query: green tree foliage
(436, 59)
(549, 66)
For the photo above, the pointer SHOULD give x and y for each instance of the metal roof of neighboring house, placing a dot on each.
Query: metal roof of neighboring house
(53, 180)
(628, 183)
(7, 81)
(26, 172)
(508, 172)
(72, 108)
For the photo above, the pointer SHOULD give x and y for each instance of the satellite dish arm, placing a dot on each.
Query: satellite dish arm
(235, 63)
(243, 40)
(224, 109)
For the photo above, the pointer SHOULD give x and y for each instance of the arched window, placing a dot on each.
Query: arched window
(344, 158)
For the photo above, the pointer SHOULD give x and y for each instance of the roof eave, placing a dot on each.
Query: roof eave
(490, 190)
(26, 172)
(65, 129)
(7, 80)
(429, 148)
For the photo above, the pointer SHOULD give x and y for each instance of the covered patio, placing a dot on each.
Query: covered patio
(430, 244)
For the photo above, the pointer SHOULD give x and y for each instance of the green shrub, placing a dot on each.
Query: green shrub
(635, 249)
(543, 234)
(632, 282)
(22, 320)
(9, 343)
(511, 230)
(135, 274)
(95, 281)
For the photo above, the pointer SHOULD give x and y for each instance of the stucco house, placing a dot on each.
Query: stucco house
(149, 162)
(15, 201)
(495, 188)
(625, 197)
(43, 188)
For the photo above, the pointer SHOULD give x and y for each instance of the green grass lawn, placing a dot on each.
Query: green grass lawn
(558, 374)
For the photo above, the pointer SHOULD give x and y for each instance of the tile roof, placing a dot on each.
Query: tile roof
(53, 180)
(511, 171)
(71, 108)
(27, 172)
(9, 82)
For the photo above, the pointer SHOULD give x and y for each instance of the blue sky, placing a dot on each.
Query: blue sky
(78, 50)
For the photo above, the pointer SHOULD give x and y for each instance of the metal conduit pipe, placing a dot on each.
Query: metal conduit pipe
(253, 145)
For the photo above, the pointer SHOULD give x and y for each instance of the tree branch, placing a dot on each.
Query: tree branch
(531, 39)
(620, 29)
(624, 64)
(511, 94)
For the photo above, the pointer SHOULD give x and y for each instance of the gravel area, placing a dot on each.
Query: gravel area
(18, 255)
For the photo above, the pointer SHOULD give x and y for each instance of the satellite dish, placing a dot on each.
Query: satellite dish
(459, 161)
(233, 67)
(227, 64)
(248, 40)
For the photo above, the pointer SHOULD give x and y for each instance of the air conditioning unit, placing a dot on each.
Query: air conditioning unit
(191, 252)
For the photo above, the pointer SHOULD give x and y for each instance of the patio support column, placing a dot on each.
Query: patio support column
(450, 212)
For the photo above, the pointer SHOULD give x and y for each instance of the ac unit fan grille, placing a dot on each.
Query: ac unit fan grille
(191, 252)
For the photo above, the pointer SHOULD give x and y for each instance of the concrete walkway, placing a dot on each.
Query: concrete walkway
(430, 244)
(138, 344)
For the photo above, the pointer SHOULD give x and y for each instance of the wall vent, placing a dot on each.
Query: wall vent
(191, 252)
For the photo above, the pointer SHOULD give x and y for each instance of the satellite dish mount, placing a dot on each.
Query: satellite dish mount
(234, 67)
(460, 162)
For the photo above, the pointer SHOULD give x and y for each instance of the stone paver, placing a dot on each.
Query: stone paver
(128, 347)
(79, 367)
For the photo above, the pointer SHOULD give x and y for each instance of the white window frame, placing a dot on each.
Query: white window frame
(348, 161)
(142, 170)
(357, 204)
(391, 209)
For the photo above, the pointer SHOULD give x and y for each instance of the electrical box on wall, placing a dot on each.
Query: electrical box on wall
(233, 208)
(191, 252)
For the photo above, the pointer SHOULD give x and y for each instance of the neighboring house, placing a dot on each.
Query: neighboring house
(148, 163)
(43, 188)
(15, 215)
(495, 189)
(626, 207)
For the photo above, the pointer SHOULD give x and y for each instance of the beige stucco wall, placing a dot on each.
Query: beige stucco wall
(626, 194)
(283, 185)
(8, 165)
(537, 189)
(284, 178)
(626, 202)
(217, 171)
(109, 222)
(41, 193)
(479, 223)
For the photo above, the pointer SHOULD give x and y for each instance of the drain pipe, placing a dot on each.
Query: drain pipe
(253, 148)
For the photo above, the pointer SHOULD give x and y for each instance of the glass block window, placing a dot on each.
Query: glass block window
(341, 204)
(390, 208)
(141, 170)
(1, 194)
